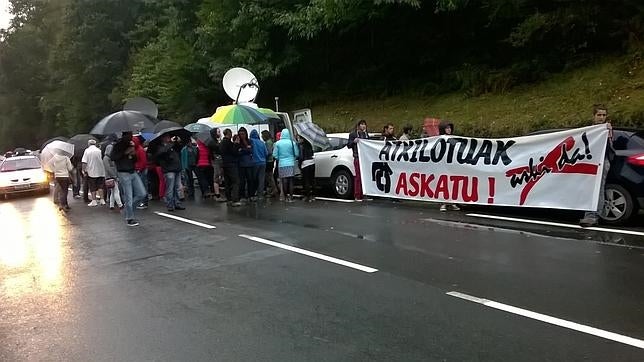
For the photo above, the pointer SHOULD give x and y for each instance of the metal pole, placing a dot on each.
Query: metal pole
(277, 105)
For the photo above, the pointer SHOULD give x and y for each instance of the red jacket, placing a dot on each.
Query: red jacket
(141, 157)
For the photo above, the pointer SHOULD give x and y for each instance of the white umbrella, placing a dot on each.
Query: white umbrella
(55, 148)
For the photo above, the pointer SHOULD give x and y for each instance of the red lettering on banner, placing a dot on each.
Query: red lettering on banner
(414, 188)
(401, 185)
(446, 187)
(441, 187)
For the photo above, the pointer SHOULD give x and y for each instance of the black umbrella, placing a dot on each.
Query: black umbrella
(172, 131)
(59, 138)
(123, 121)
(204, 137)
(163, 125)
(80, 143)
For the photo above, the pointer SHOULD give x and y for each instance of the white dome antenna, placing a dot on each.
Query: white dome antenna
(240, 85)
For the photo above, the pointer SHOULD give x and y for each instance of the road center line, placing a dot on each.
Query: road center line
(557, 224)
(185, 220)
(332, 199)
(552, 320)
(312, 254)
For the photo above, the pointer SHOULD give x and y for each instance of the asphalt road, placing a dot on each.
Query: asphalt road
(260, 283)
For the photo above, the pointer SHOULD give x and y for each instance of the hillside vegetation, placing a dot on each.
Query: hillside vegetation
(564, 100)
(493, 66)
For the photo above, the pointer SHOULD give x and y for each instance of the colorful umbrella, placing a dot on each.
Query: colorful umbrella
(313, 133)
(268, 112)
(239, 114)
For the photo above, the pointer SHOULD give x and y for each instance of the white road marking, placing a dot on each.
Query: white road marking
(332, 199)
(330, 259)
(185, 220)
(552, 320)
(557, 224)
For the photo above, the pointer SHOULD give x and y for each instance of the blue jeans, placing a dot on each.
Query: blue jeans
(172, 184)
(143, 175)
(133, 191)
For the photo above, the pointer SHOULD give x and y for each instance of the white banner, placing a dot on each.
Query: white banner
(559, 170)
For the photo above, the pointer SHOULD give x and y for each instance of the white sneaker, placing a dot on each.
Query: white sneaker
(102, 202)
(443, 208)
(93, 203)
(454, 207)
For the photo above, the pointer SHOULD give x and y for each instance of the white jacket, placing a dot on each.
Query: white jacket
(61, 166)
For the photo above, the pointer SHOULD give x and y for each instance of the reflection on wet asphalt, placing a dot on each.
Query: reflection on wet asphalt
(84, 286)
(31, 250)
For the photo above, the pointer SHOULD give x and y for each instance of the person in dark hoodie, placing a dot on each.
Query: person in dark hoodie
(447, 128)
(307, 166)
(246, 165)
(230, 159)
(124, 157)
(360, 132)
(270, 163)
(259, 169)
(169, 159)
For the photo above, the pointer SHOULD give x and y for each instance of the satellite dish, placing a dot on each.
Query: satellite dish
(240, 85)
(142, 105)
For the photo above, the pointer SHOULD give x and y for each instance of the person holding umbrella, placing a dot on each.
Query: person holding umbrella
(168, 156)
(124, 157)
(307, 166)
(61, 166)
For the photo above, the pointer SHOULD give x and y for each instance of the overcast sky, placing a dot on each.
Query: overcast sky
(5, 17)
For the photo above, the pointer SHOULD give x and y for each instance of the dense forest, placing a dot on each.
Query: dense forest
(66, 63)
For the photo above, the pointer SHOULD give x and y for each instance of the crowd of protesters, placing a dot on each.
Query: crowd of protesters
(127, 173)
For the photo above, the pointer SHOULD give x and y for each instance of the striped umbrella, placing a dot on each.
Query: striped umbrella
(313, 133)
(268, 112)
(239, 114)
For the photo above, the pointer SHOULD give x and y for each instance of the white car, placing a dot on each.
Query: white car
(22, 174)
(334, 166)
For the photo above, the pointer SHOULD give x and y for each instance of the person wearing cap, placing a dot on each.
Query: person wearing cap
(94, 169)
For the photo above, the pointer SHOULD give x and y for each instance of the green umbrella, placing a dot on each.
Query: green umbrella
(239, 114)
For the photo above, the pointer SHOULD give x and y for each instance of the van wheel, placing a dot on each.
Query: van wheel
(342, 182)
(619, 206)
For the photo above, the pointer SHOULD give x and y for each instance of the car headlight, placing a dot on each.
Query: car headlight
(40, 178)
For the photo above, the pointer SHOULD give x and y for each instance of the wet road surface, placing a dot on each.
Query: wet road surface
(325, 281)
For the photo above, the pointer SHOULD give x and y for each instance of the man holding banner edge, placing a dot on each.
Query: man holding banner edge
(600, 115)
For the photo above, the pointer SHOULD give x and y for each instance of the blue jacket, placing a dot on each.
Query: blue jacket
(259, 148)
(246, 156)
(285, 150)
